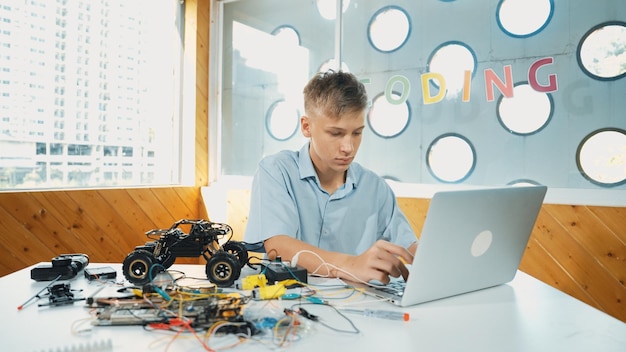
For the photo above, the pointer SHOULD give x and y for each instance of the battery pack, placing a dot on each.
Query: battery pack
(102, 273)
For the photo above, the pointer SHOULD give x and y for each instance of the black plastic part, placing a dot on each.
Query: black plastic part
(278, 271)
(103, 273)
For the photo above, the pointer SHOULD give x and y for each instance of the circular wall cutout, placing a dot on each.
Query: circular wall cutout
(331, 64)
(389, 29)
(600, 53)
(282, 120)
(601, 157)
(287, 35)
(388, 120)
(451, 158)
(328, 8)
(524, 18)
(527, 112)
(451, 60)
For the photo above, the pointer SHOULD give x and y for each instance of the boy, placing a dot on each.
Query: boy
(340, 219)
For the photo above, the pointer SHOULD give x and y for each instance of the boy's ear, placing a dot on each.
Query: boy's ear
(305, 126)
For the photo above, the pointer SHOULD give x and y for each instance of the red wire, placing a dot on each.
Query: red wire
(176, 322)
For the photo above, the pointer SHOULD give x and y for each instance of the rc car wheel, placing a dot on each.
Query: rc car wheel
(137, 265)
(238, 250)
(223, 269)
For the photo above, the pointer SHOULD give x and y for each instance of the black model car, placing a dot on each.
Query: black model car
(223, 261)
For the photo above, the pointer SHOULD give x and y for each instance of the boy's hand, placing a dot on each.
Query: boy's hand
(379, 262)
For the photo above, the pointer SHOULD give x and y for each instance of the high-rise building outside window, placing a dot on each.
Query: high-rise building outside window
(89, 93)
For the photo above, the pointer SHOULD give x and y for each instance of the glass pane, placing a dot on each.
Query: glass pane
(601, 157)
(282, 120)
(287, 34)
(331, 64)
(451, 60)
(328, 8)
(602, 51)
(524, 18)
(431, 81)
(388, 119)
(526, 112)
(389, 28)
(451, 158)
(260, 69)
(89, 93)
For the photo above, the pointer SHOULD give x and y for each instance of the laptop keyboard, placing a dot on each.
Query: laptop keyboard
(394, 287)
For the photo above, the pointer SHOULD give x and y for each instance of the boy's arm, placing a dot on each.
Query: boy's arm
(379, 262)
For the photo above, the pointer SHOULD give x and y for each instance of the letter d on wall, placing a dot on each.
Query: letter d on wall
(426, 96)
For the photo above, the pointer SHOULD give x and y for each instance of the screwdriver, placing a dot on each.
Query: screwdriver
(378, 313)
(38, 293)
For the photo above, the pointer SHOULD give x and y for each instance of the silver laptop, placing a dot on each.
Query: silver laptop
(471, 240)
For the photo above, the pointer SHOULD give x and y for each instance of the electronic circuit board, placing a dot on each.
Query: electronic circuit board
(202, 312)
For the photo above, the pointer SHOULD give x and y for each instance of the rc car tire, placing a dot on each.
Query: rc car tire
(237, 249)
(223, 269)
(136, 266)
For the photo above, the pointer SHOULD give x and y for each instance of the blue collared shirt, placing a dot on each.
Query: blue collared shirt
(287, 199)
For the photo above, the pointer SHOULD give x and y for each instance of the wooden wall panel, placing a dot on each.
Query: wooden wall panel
(21, 247)
(119, 199)
(415, 211)
(563, 253)
(538, 262)
(105, 224)
(582, 250)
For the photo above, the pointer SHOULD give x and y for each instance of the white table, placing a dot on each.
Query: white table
(524, 315)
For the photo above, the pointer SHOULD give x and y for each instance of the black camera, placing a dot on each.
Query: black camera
(63, 267)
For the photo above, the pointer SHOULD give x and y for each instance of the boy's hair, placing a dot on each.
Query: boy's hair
(333, 94)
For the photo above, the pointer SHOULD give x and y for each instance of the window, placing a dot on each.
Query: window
(94, 81)
(602, 51)
(328, 8)
(526, 112)
(389, 116)
(282, 120)
(451, 158)
(462, 93)
(451, 60)
(524, 18)
(389, 28)
(287, 34)
(601, 157)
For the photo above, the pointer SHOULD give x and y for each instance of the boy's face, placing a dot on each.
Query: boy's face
(334, 141)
